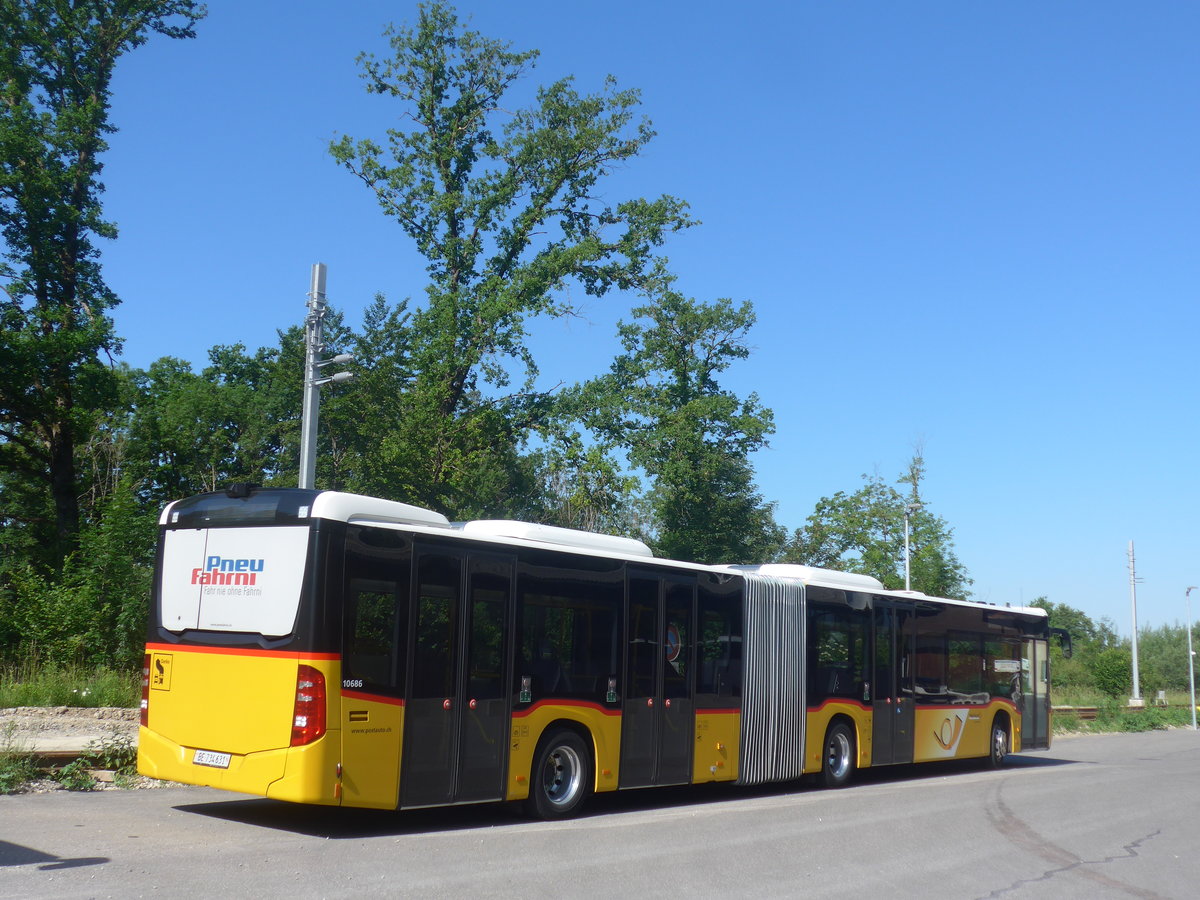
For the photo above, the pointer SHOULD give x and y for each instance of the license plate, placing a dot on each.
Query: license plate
(209, 758)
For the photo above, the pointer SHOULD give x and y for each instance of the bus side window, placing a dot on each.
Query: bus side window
(375, 623)
(719, 646)
(567, 628)
(836, 653)
(369, 656)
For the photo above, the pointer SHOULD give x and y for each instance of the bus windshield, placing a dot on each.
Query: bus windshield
(233, 579)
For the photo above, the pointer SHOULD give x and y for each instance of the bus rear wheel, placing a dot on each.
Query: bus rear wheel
(561, 777)
(838, 763)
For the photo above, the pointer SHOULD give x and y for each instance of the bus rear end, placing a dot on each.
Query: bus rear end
(239, 669)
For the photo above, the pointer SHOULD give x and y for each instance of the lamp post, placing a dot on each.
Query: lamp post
(1187, 595)
(313, 345)
(909, 509)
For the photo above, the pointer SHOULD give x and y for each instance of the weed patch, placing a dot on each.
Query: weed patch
(16, 762)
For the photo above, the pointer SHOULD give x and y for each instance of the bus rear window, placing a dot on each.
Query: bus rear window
(233, 579)
(261, 507)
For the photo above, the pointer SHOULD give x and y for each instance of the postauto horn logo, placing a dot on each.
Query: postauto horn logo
(226, 570)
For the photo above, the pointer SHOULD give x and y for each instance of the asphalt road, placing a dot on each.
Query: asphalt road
(1096, 817)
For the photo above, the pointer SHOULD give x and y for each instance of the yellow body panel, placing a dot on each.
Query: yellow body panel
(960, 732)
(311, 773)
(818, 724)
(527, 730)
(372, 738)
(717, 744)
(238, 703)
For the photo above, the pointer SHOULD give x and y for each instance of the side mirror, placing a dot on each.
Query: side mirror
(1064, 640)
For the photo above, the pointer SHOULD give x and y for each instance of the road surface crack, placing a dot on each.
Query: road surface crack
(1026, 838)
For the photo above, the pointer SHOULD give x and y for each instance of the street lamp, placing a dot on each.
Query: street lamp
(909, 509)
(1187, 595)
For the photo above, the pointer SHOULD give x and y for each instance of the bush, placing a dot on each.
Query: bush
(115, 751)
(1113, 672)
(93, 613)
(74, 776)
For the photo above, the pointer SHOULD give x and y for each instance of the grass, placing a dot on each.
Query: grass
(1114, 714)
(16, 762)
(37, 684)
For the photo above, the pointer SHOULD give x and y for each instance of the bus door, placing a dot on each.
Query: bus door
(657, 731)
(892, 682)
(456, 714)
(1035, 696)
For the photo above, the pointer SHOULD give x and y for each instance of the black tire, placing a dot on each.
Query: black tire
(998, 753)
(838, 762)
(561, 779)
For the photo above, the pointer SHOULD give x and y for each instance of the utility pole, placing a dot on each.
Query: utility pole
(1136, 699)
(313, 347)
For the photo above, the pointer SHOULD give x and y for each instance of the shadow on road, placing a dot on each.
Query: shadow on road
(335, 823)
(17, 855)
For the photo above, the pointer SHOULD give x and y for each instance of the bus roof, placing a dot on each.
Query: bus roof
(851, 581)
(359, 509)
(562, 537)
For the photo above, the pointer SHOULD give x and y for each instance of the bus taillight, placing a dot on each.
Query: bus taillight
(144, 713)
(308, 721)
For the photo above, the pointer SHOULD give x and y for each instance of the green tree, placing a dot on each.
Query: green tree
(585, 487)
(94, 611)
(1089, 638)
(56, 65)
(662, 401)
(190, 432)
(1087, 635)
(1163, 658)
(502, 207)
(864, 532)
(1113, 672)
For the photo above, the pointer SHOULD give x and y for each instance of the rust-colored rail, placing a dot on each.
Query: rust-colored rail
(1082, 713)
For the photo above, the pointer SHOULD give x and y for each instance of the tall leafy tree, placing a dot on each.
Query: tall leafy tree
(584, 486)
(56, 64)
(502, 206)
(192, 432)
(863, 532)
(662, 401)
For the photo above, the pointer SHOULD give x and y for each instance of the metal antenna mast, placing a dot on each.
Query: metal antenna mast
(313, 347)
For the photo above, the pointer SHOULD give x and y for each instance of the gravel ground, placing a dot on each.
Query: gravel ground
(60, 730)
(34, 726)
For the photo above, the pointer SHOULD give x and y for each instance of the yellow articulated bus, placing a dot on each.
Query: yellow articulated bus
(323, 647)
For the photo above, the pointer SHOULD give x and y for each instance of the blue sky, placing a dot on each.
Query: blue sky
(970, 227)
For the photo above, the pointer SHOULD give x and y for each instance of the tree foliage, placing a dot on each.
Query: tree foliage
(94, 611)
(864, 532)
(661, 400)
(1112, 670)
(56, 65)
(1089, 639)
(502, 208)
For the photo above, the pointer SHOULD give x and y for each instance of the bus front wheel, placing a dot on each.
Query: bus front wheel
(838, 764)
(561, 777)
(999, 752)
